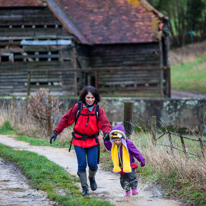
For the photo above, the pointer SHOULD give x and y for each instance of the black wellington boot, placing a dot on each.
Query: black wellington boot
(85, 191)
(93, 183)
(83, 180)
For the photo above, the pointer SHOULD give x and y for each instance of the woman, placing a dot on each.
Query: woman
(88, 121)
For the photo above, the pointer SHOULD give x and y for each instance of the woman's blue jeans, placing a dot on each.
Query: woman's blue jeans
(85, 155)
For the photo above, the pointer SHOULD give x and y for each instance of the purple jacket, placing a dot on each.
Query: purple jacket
(133, 151)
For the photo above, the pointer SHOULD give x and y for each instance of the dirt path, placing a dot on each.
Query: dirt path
(108, 183)
(186, 94)
(14, 189)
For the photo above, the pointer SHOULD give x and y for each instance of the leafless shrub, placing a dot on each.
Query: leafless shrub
(43, 106)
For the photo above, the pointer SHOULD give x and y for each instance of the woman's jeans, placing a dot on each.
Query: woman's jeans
(92, 155)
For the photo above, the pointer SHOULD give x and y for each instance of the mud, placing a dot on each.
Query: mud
(108, 183)
(14, 188)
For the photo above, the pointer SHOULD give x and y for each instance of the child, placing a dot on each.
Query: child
(123, 152)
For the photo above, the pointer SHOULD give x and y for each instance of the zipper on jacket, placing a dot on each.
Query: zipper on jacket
(87, 121)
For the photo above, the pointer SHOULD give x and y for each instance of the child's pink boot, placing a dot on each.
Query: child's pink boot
(134, 191)
(127, 194)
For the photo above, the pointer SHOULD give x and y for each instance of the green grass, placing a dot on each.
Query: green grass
(48, 176)
(6, 128)
(187, 77)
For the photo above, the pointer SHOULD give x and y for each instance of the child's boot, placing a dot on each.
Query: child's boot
(83, 180)
(93, 183)
(134, 191)
(127, 194)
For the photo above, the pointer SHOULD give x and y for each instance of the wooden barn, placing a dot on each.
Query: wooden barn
(116, 45)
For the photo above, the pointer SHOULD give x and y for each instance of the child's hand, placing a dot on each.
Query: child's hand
(142, 164)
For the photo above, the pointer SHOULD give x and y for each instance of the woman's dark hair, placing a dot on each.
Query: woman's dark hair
(93, 91)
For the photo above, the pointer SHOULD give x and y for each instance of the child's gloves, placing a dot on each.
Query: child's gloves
(54, 136)
(106, 137)
(142, 164)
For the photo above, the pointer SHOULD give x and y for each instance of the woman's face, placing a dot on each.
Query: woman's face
(89, 99)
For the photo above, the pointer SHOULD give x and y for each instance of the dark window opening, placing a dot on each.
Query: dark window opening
(92, 81)
(18, 57)
(17, 26)
(51, 26)
(28, 26)
(43, 58)
(5, 58)
(4, 27)
(39, 26)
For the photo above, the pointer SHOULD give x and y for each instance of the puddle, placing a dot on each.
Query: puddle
(15, 189)
(5, 180)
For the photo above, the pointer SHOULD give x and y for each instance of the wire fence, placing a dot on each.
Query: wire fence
(171, 145)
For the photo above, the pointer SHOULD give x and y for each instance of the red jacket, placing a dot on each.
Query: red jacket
(86, 125)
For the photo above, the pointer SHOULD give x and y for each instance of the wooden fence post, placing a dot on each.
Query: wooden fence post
(170, 139)
(104, 105)
(28, 90)
(202, 147)
(75, 67)
(128, 107)
(28, 83)
(153, 127)
(183, 145)
(49, 120)
(12, 108)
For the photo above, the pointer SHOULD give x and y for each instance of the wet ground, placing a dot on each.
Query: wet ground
(108, 183)
(14, 189)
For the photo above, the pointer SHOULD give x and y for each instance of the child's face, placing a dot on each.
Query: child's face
(118, 142)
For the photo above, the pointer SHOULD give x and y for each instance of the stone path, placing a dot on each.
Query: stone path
(14, 189)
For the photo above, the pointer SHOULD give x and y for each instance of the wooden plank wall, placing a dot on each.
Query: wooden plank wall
(131, 82)
(144, 54)
(40, 24)
(34, 23)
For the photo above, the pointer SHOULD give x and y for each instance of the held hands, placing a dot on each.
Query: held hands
(54, 136)
(106, 137)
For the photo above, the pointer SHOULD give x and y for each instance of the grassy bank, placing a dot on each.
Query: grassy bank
(48, 176)
(189, 76)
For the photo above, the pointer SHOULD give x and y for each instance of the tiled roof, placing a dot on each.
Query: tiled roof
(114, 21)
(17, 3)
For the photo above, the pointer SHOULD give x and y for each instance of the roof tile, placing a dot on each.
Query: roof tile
(112, 21)
(18, 3)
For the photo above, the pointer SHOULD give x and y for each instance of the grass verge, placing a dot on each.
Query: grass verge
(189, 76)
(48, 176)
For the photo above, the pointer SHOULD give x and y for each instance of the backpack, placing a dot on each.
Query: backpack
(80, 109)
(78, 114)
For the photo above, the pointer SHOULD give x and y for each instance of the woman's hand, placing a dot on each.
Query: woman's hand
(54, 136)
(106, 137)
